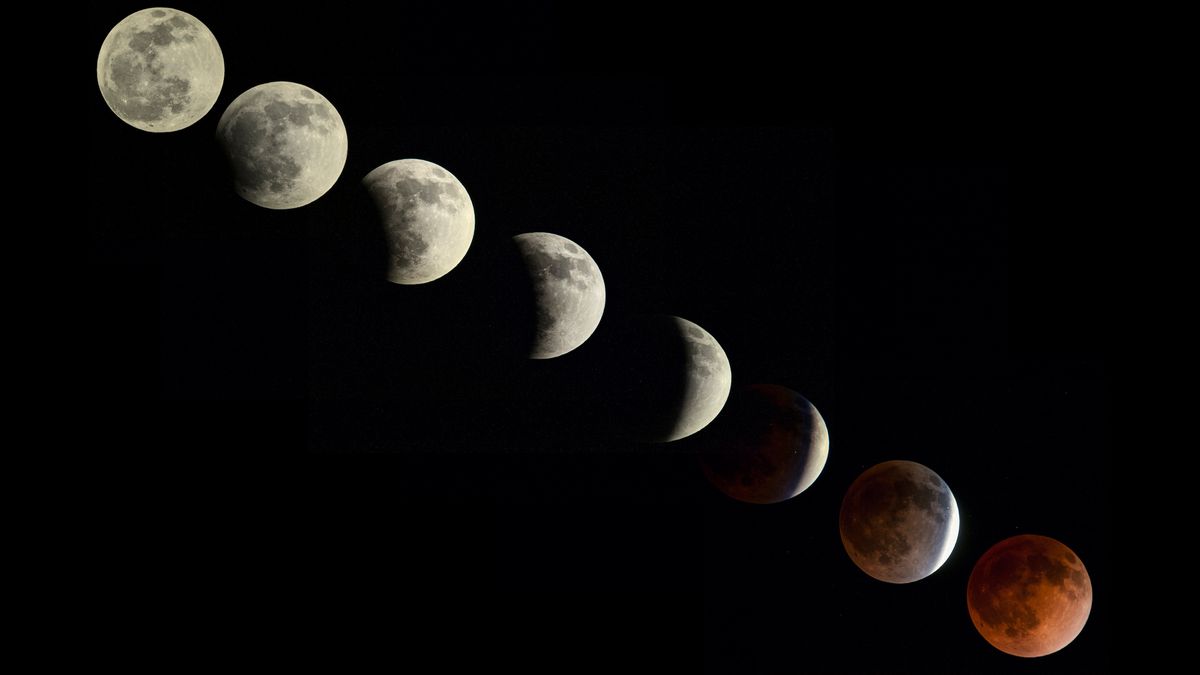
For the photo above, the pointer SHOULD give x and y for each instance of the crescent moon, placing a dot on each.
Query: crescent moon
(769, 445)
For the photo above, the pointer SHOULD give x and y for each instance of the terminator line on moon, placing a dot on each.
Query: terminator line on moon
(568, 289)
(769, 445)
(286, 144)
(899, 522)
(160, 69)
(709, 379)
(670, 378)
(428, 219)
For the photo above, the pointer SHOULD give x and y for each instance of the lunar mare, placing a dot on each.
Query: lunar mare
(160, 69)
(569, 292)
(1029, 595)
(286, 144)
(899, 522)
(427, 216)
(769, 446)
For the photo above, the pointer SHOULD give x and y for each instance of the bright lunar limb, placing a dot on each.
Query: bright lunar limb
(568, 290)
(1029, 595)
(160, 69)
(769, 445)
(671, 380)
(286, 144)
(708, 379)
(899, 522)
(668, 379)
(427, 215)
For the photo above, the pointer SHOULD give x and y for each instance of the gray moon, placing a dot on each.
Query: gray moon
(769, 445)
(680, 381)
(160, 69)
(899, 522)
(286, 144)
(568, 289)
(709, 379)
(427, 216)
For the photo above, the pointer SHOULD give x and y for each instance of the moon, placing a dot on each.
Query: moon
(707, 380)
(568, 290)
(666, 378)
(1029, 595)
(427, 217)
(769, 445)
(160, 69)
(899, 522)
(286, 144)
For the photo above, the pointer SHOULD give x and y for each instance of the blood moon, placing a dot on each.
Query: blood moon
(1029, 595)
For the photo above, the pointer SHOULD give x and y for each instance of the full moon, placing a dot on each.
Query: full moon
(569, 292)
(769, 445)
(427, 218)
(899, 522)
(1029, 595)
(160, 69)
(286, 144)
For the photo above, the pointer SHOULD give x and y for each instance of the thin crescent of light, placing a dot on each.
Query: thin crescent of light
(952, 536)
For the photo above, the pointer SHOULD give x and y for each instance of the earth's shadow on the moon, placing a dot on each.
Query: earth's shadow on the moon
(640, 371)
(766, 446)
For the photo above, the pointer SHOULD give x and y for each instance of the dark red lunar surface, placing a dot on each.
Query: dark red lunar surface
(1029, 595)
(770, 445)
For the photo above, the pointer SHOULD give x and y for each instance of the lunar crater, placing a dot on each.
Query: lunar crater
(568, 291)
(283, 152)
(427, 216)
(160, 70)
(1029, 596)
(897, 527)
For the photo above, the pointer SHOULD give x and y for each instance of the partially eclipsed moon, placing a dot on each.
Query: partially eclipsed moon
(899, 522)
(427, 216)
(669, 378)
(769, 445)
(1029, 595)
(286, 144)
(160, 69)
(569, 292)
(709, 379)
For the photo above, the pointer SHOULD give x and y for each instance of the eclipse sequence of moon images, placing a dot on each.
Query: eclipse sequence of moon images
(161, 70)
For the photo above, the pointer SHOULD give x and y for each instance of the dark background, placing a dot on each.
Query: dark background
(320, 465)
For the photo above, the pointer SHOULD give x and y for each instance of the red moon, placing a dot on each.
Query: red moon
(1029, 595)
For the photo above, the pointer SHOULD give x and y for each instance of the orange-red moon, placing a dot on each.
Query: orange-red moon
(1029, 595)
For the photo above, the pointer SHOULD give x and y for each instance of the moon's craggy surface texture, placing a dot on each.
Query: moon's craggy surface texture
(427, 216)
(568, 288)
(708, 380)
(769, 446)
(899, 522)
(1029, 595)
(160, 69)
(286, 144)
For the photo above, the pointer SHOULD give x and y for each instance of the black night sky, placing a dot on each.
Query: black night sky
(343, 471)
